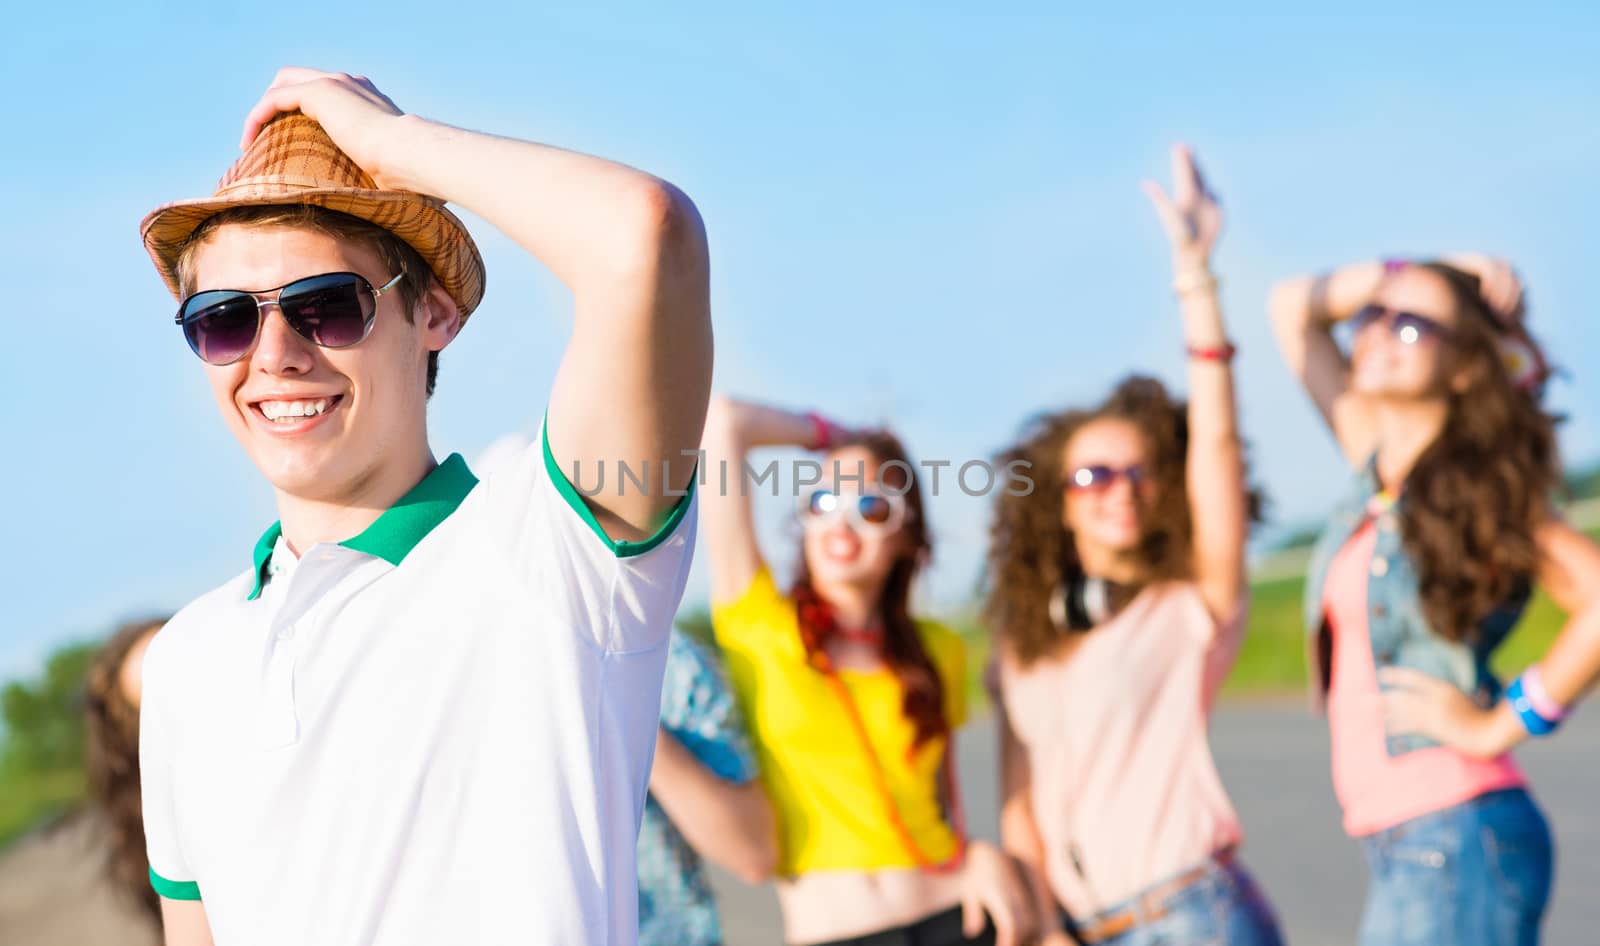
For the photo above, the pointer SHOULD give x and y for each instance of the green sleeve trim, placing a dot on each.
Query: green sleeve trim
(581, 507)
(174, 889)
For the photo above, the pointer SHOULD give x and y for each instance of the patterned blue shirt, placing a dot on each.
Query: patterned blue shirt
(698, 709)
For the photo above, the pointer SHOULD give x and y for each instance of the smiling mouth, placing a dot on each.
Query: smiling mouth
(287, 413)
(840, 548)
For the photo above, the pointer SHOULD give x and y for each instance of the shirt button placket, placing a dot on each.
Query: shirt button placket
(279, 725)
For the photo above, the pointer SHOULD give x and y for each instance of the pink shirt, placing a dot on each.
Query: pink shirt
(1376, 790)
(1124, 789)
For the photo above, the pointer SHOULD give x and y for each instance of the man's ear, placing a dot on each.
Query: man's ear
(440, 317)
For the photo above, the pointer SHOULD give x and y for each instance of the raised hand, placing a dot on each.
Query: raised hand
(350, 109)
(1498, 284)
(1192, 216)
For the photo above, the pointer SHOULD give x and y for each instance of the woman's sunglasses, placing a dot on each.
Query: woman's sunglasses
(873, 512)
(1097, 478)
(1407, 327)
(334, 310)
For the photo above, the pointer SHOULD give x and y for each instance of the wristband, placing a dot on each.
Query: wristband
(1535, 724)
(1193, 280)
(821, 431)
(1224, 354)
(1539, 698)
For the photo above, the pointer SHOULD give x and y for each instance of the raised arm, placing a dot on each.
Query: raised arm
(729, 823)
(727, 521)
(633, 384)
(1218, 502)
(1303, 311)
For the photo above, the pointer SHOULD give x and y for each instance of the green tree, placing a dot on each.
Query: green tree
(44, 717)
(41, 760)
(1585, 483)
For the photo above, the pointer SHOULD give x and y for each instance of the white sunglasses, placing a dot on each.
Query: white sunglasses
(865, 511)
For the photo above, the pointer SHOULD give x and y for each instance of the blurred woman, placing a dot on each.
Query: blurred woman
(1424, 568)
(84, 880)
(851, 702)
(1118, 599)
(112, 692)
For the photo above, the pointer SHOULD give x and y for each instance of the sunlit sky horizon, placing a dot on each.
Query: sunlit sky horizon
(918, 215)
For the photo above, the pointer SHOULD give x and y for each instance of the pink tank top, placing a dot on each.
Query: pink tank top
(1376, 790)
(1124, 789)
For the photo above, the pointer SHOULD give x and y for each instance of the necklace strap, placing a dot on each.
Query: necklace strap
(880, 781)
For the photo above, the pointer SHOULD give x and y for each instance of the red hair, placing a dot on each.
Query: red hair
(903, 649)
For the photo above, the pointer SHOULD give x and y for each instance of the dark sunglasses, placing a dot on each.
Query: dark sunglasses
(334, 310)
(1407, 327)
(1099, 477)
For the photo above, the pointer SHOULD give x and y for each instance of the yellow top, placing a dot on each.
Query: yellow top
(831, 815)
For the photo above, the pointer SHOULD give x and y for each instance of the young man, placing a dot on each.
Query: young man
(425, 713)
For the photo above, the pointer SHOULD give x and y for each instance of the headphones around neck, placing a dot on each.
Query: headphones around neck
(1084, 602)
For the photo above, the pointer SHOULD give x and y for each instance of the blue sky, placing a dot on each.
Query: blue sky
(917, 215)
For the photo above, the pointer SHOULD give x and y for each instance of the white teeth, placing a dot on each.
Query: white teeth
(288, 410)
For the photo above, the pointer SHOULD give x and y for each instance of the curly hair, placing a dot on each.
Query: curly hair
(1473, 500)
(112, 722)
(1031, 552)
(903, 649)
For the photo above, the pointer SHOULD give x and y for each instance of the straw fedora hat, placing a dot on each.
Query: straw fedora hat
(293, 161)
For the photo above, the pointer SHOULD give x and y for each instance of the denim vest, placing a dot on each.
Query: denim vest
(1401, 635)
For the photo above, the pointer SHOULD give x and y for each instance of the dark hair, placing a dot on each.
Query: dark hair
(1031, 552)
(398, 255)
(1476, 495)
(903, 648)
(112, 723)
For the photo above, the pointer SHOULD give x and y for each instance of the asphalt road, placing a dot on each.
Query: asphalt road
(1274, 759)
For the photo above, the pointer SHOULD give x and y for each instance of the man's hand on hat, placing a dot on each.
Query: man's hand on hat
(350, 109)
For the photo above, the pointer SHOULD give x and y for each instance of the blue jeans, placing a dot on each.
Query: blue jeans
(1476, 874)
(1223, 908)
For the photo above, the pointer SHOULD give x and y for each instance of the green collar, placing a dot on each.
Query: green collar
(401, 527)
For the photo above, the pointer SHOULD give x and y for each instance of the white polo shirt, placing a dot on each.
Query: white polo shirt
(438, 731)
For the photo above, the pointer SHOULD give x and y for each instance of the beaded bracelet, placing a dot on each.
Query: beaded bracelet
(1192, 281)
